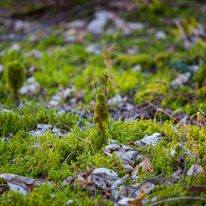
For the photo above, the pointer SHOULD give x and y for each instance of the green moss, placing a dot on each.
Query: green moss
(201, 75)
(98, 138)
(145, 60)
(101, 113)
(15, 76)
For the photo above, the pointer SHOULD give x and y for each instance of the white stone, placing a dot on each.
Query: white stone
(181, 79)
(160, 35)
(93, 49)
(194, 68)
(137, 67)
(100, 20)
(135, 25)
(151, 139)
(14, 47)
(115, 100)
(70, 39)
(31, 80)
(53, 103)
(76, 24)
(1, 68)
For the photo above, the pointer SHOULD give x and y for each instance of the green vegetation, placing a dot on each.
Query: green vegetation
(142, 67)
(15, 76)
(101, 116)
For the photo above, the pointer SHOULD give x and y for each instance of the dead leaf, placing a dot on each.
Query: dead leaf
(177, 173)
(104, 177)
(137, 202)
(147, 165)
(198, 189)
(196, 169)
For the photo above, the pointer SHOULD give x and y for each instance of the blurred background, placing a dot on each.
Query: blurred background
(151, 49)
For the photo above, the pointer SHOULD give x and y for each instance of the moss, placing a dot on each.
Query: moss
(101, 113)
(98, 138)
(145, 60)
(201, 75)
(15, 75)
(162, 58)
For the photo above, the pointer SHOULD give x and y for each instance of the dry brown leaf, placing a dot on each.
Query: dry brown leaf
(198, 189)
(137, 202)
(195, 170)
(147, 165)
(178, 173)
(80, 178)
(141, 193)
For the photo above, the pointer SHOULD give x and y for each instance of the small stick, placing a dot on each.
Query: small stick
(178, 198)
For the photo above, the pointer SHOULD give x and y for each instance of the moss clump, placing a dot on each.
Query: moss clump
(145, 60)
(97, 138)
(101, 113)
(15, 76)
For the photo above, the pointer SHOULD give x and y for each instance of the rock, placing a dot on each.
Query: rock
(19, 26)
(137, 67)
(115, 100)
(151, 139)
(61, 112)
(121, 24)
(42, 128)
(112, 141)
(160, 35)
(56, 98)
(2, 53)
(181, 79)
(194, 68)
(97, 24)
(67, 92)
(33, 38)
(135, 25)
(29, 86)
(70, 39)
(93, 49)
(23, 90)
(53, 103)
(1, 68)
(34, 53)
(6, 110)
(14, 47)
(76, 24)
(31, 80)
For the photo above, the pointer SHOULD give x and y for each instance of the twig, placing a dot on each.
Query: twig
(157, 108)
(178, 198)
(184, 172)
(139, 187)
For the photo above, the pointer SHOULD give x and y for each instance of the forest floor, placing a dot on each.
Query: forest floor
(153, 151)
